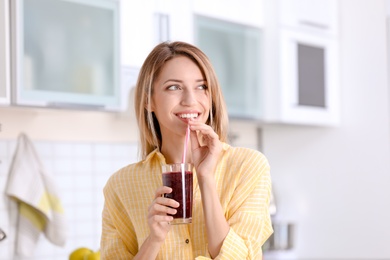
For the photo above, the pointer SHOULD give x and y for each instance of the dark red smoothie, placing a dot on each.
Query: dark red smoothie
(174, 180)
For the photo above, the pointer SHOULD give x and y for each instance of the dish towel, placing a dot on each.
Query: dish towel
(39, 206)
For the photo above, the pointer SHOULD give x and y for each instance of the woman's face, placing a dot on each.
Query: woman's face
(179, 94)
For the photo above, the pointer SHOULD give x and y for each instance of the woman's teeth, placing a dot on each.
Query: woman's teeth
(191, 115)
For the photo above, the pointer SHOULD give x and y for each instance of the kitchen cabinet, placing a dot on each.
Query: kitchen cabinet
(146, 24)
(137, 31)
(319, 16)
(174, 20)
(235, 52)
(66, 53)
(279, 65)
(309, 85)
(248, 12)
(4, 53)
(302, 84)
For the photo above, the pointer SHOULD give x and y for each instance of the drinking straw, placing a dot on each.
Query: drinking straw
(183, 160)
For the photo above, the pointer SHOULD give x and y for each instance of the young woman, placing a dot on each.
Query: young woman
(177, 86)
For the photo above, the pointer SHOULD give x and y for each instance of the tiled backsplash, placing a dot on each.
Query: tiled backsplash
(80, 171)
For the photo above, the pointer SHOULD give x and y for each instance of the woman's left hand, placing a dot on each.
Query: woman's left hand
(205, 147)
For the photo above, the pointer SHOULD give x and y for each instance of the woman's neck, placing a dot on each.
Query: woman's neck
(173, 151)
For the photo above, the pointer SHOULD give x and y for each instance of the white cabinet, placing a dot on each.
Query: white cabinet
(248, 12)
(302, 84)
(277, 61)
(309, 73)
(66, 53)
(137, 31)
(176, 20)
(4, 53)
(311, 15)
(144, 25)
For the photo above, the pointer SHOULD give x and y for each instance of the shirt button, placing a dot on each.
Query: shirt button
(187, 241)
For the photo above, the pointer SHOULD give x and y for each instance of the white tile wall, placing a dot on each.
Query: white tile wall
(80, 170)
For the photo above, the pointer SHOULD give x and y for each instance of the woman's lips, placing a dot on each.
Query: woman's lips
(188, 116)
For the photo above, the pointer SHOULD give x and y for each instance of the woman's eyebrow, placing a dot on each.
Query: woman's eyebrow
(179, 81)
(172, 80)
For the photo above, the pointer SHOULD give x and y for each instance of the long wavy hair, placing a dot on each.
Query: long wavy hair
(149, 128)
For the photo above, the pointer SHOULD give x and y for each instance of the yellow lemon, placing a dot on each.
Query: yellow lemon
(93, 256)
(80, 253)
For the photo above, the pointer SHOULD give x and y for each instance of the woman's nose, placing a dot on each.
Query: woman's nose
(188, 97)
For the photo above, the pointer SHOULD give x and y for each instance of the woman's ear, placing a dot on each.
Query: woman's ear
(149, 107)
(148, 104)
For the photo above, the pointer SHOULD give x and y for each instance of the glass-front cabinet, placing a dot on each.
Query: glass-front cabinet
(66, 53)
(4, 54)
(302, 84)
(309, 72)
(235, 52)
(276, 60)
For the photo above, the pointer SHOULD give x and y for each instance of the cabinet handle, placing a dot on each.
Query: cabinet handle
(163, 31)
(74, 105)
(2, 235)
(0, 163)
(313, 24)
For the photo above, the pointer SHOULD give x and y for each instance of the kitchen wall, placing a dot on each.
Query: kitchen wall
(80, 170)
(333, 183)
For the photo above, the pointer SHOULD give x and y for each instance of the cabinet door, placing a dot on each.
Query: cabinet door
(4, 53)
(235, 52)
(174, 21)
(146, 24)
(309, 79)
(249, 12)
(67, 53)
(312, 15)
(137, 31)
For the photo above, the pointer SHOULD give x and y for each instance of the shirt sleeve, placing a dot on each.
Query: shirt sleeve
(118, 237)
(249, 219)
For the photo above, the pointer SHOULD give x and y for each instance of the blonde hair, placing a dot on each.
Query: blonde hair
(149, 128)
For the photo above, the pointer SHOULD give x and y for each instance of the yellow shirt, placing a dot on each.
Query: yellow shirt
(244, 188)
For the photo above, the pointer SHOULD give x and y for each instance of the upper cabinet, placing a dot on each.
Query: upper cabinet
(309, 79)
(4, 54)
(137, 31)
(144, 25)
(302, 84)
(174, 21)
(319, 16)
(231, 35)
(248, 12)
(66, 53)
(277, 62)
(235, 52)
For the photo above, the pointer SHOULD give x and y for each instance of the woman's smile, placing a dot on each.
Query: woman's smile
(180, 92)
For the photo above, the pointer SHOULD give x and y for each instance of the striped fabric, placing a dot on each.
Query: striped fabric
(244, 187)
(39, 206)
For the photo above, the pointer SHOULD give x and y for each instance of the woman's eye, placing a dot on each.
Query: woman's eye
(202, 87)
(173, 87)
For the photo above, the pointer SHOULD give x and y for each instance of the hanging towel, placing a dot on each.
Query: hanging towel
(39, 206)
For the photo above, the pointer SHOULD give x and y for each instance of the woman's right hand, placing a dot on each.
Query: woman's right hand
(158, 220)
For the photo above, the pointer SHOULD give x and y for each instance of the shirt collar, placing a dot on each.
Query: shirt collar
(157, 155)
